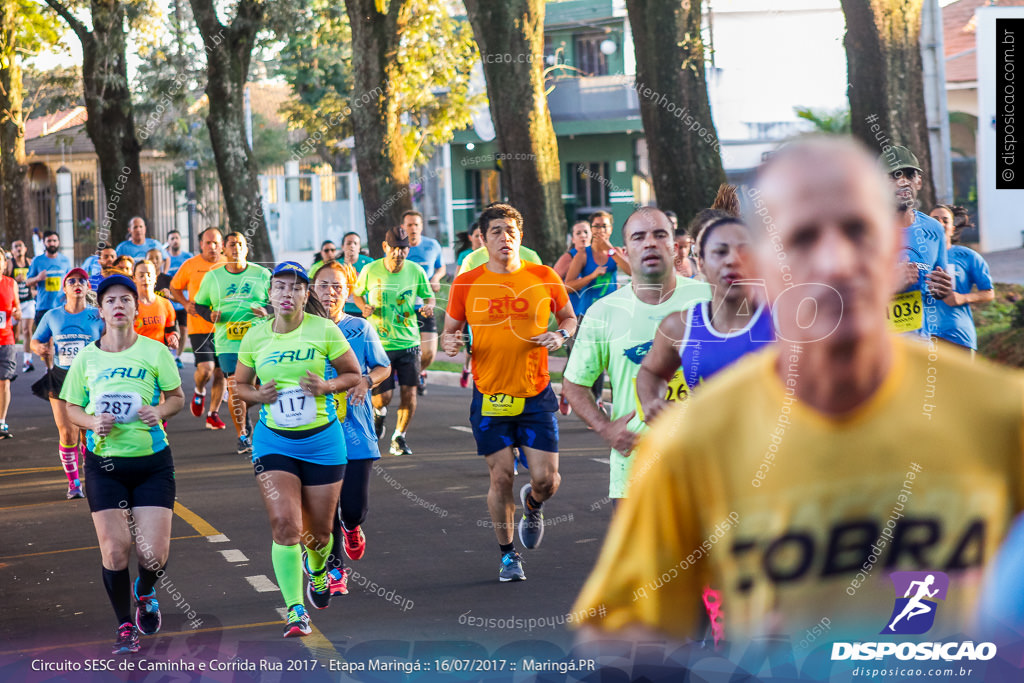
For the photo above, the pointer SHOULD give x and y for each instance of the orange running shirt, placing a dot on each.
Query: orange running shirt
(505, 310)
(189, 277)
(154, 319)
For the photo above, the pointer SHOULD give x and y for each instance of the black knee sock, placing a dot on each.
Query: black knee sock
(118, 585)
(335, 561)
(147, 579)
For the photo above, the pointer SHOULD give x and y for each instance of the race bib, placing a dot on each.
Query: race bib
(68, 351)
(52, 284)
(124, 406)
(502, 405)
(20, 273)
(293, 408)
(677, 390)
(236, 330)
(906, 314)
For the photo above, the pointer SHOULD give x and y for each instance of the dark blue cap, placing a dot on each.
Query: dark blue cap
(291, 267)
(115, 279)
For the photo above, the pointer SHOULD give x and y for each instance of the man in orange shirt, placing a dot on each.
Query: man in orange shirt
(155, 317)
(200, 331)
(509, 303)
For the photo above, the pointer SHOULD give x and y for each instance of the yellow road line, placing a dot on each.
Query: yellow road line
(29, 470)
(72, 550)
(190, 632)
(195, 521)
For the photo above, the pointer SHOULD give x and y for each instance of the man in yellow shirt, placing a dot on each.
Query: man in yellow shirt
(801, 477)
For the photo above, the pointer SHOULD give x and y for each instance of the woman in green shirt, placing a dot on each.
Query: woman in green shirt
(121, 389)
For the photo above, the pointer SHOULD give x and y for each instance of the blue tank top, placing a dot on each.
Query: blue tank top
(602, 286)
(705, 351)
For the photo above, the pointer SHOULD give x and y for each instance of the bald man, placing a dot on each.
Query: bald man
(798, 479)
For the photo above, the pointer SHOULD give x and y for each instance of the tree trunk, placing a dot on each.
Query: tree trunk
(886, 84)
(12, 129)
(381, 161)
(514, 31)
(682, 144)
(228, 53)
(111, 122)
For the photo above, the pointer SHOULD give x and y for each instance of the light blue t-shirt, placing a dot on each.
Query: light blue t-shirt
(360, 438)
(956, 323)
(92, 266)
(428, 255)
(71, 332)
(924, 243)
(138, 251)
(49, 293)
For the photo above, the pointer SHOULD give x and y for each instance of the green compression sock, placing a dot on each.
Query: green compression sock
(287, 561)
(317, 557)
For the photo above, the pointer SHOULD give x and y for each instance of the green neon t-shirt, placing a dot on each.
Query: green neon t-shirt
(393, 296)
(616, 334)
(285, 358)
(121, 383)
(234, 295)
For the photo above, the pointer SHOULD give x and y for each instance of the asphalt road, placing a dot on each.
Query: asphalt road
(425, 593)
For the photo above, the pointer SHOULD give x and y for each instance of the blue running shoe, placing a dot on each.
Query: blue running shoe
(531, 526)
(297, 623)
(147, 611)
(511, 567)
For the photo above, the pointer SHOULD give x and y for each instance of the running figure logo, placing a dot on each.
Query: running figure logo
(914, 613)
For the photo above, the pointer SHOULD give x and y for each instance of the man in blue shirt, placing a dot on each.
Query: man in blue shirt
(924, 277)
(47, 272)
(176, 256)
(425, 251)
(139, 244)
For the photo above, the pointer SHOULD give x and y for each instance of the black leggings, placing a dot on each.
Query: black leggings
(352, 505)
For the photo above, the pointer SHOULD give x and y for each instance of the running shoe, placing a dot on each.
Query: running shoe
(531, 526)
(177, 361)
(511, 567)
(244, 445)
(28, 367)
(563, 406)
(127, 639)
(399, 446)
(297, 623)
(355, 542)
(339, 581)
(464, 380)
(379, 416)
(5, 431)
(75, 490)
(213, 421)
(147, 611)
(198, 401)
(318, 590)
(421, 386)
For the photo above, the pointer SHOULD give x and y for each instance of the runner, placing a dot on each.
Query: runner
(10, 315)
(176, 256)
(19, 267)
(138, 244)
(184, 286)
(299, 451)
(969, 270)
(691, 346)
(923, 259)
(509, 304)
(156, 319)
(230, 297)
(331, 287)
(474, 241)
(425, 251)
(617, 333)
(121, 389)
(386, 290)
(104, 262)
(327, 253)
(350, 245)
(47, 271)
(59, 337)
(684, 262)
(581, 239)
(838, 444)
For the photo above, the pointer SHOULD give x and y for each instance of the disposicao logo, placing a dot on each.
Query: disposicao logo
(913, 613)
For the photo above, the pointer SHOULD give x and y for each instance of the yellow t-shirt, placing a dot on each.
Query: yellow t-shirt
(925, 476)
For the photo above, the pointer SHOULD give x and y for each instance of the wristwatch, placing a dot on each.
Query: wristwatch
(369, 382)
(565, 335)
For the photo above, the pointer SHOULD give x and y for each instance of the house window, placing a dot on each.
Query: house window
(592, 183)
(485, 186)
(589, 58)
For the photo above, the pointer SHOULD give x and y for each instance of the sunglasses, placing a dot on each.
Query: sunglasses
(908, 173)
(76, 281)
